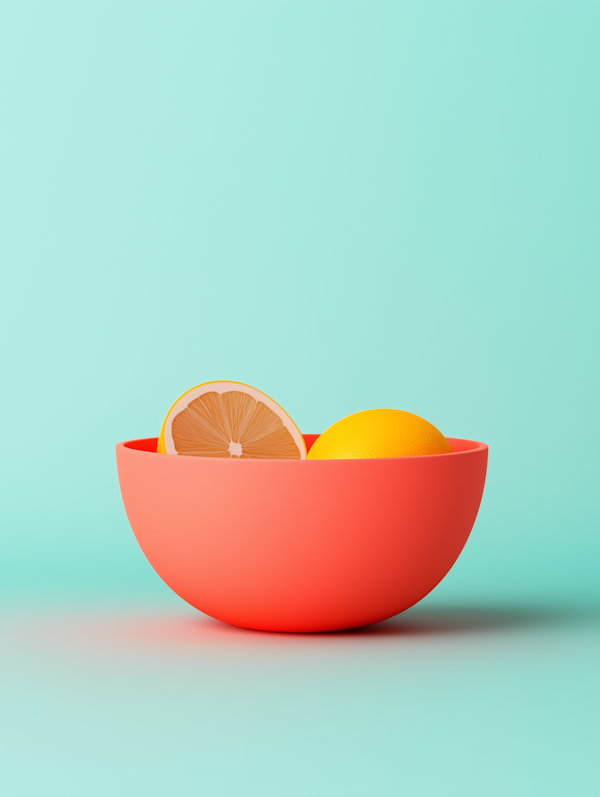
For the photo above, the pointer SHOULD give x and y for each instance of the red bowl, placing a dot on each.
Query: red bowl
(295, 545)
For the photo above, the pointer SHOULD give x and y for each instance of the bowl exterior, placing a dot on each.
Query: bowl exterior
(285, 545)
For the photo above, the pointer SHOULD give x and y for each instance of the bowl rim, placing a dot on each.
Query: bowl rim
(477, 447)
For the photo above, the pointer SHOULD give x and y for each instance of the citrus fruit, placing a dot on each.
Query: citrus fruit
(229, 419)
(379, 434)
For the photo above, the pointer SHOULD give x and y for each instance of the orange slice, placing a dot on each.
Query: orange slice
(229, 419)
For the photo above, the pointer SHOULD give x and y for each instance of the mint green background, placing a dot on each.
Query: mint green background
(348, 205)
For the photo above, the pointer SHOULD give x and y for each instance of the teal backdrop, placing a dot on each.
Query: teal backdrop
(347, 205)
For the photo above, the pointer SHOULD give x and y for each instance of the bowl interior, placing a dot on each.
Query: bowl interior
(456, 444)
